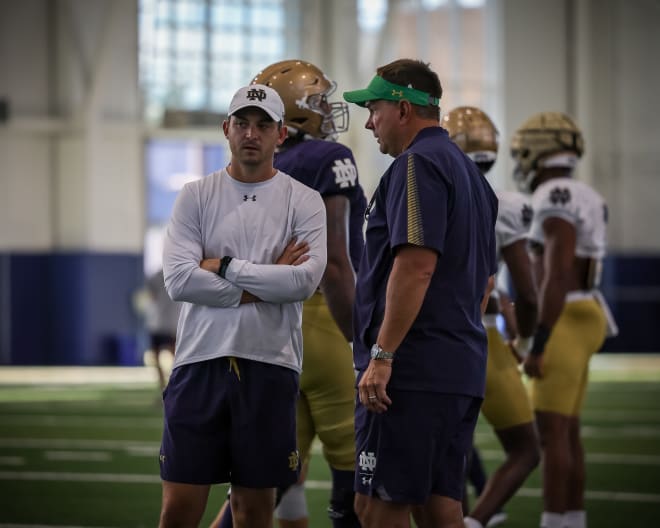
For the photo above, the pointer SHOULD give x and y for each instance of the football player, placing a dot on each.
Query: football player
(506, 405)
(568, 241)
(327, 386)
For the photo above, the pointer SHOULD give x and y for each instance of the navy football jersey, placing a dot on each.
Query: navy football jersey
(330, 169)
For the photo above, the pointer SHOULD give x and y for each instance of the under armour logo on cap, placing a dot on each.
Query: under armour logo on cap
(258, 96)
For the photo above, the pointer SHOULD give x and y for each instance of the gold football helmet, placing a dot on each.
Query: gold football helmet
(305, 89)
(543, 135)
(474, 132)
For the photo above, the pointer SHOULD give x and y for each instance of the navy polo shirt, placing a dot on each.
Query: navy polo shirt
(431, 196)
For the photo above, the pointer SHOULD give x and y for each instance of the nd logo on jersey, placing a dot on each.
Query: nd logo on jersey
(560, 195)
(345, 173)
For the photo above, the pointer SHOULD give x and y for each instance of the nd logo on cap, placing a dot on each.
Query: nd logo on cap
(256, 94)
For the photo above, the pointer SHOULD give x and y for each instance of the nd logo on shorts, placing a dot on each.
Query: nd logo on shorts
(367, 463)
(294, 460)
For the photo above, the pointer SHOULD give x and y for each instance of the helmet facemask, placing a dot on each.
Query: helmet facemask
(305, 90)
(334, 115)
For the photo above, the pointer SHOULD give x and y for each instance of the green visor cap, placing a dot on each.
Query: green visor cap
(379, 88)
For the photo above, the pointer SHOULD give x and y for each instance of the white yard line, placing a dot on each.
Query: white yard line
(624, 415)
(51, 420)
(634, 418)
(70, 443)
(150, 449)
(592, 458)
(652, 498)
(82, 456)
(614, 496)
(485, 436)
(79, 477)
(625, 431)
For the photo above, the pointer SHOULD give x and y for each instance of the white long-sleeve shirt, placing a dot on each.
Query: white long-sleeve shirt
(219, 216)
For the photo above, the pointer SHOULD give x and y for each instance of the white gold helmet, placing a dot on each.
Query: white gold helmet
(305, 89)
(542, 135)
(474, 132)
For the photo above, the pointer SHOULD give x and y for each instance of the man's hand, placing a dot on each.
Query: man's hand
(213, 265)
(520, 347)
(294, 253)
(210, 264)
(247, 297)
(373, 383)
(533, 366)
(514, 351)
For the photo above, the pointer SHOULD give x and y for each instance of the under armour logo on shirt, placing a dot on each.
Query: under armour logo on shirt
(246, 197)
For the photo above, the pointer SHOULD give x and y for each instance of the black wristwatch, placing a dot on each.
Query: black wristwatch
(378, 353)
(224, 264)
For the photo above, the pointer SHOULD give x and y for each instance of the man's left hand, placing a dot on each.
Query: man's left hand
(373, 384)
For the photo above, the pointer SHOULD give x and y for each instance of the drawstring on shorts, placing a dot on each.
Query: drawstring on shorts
(233, 365)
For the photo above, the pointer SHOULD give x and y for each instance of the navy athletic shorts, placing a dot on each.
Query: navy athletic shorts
(415, 449)
(230, 420)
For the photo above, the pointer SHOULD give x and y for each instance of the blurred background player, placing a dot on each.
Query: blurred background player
(326, 406)
(506, 405)
(568, 240)
(161, 315)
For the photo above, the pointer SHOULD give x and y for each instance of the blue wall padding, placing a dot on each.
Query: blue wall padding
(74, 308)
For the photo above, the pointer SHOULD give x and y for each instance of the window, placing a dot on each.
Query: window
(169, 165)
(194, 54)
(371, 14)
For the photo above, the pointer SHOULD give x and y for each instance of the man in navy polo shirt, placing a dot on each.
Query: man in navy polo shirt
(419, 343)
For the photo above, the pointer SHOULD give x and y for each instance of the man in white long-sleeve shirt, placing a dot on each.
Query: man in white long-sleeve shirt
(244, 247)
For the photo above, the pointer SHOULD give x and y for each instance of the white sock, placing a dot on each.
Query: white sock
(551, 520)
(472, 523)
(293, 505)
(575, 519)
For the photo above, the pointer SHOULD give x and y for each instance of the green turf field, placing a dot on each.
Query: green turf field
(78, 453)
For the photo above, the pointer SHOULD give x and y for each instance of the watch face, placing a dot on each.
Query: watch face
(378, 353)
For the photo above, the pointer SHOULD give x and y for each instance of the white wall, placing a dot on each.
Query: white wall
(595, 60)
(25, 156)
(71, 154)
(618, 85)
(70, 164)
